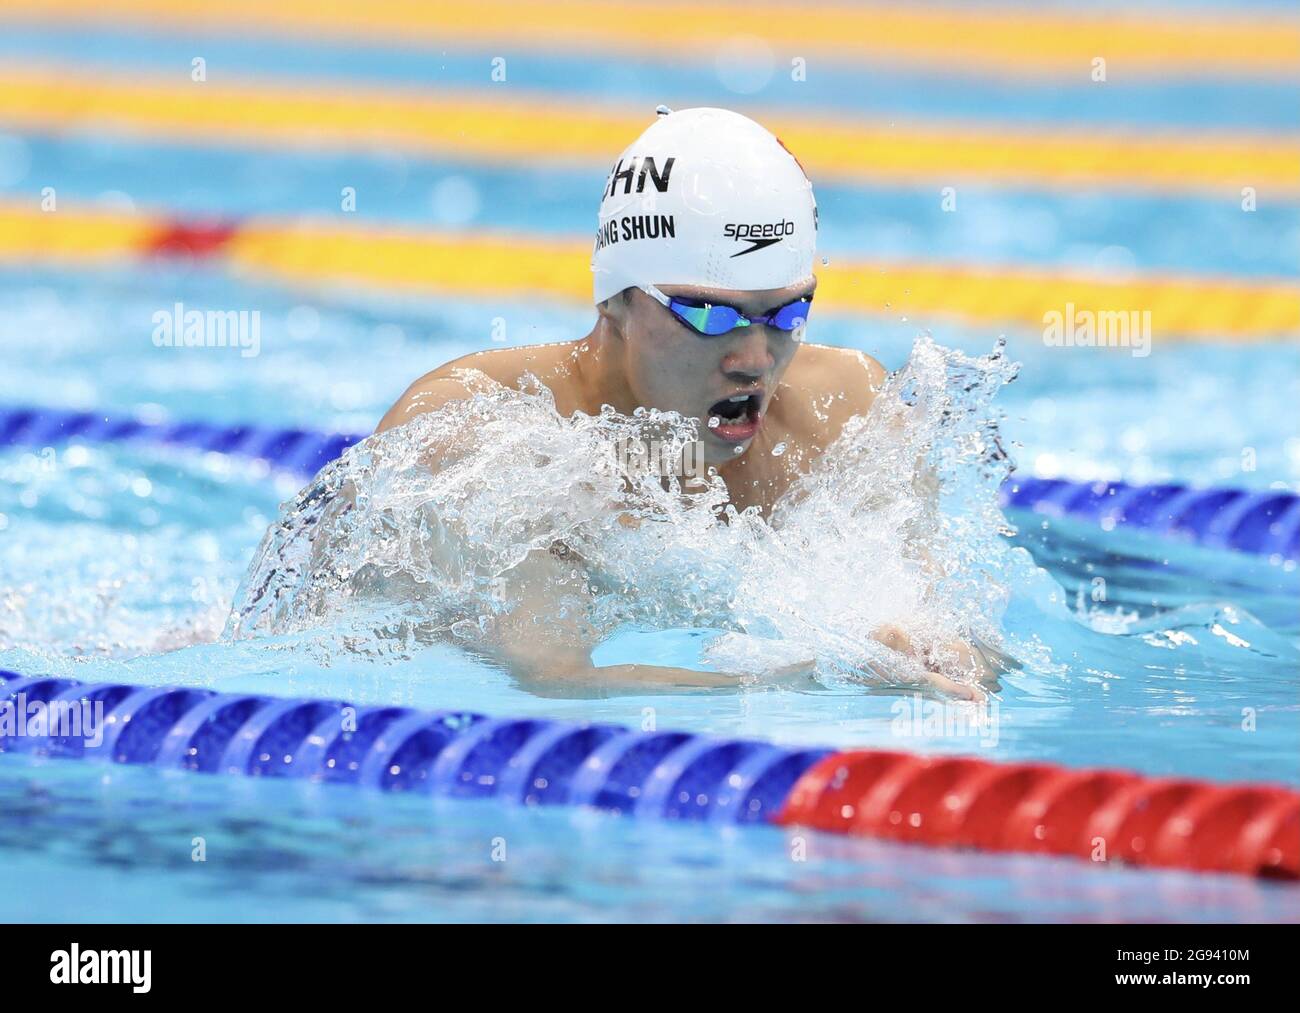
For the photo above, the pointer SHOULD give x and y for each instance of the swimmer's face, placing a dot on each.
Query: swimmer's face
(672, 367)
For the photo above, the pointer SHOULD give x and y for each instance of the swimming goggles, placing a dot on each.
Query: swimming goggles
(712, 319)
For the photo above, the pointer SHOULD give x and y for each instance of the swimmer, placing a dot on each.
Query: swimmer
(704, 282)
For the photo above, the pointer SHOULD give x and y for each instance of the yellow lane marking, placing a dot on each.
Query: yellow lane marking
(27, 234)
(1004, 42)
(323, 253)
(549, 132)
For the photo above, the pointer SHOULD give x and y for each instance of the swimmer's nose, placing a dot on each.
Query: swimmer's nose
(748, 356)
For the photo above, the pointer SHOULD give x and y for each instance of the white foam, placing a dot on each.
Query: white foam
(856, 544)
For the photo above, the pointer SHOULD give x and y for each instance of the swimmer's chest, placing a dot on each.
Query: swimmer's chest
(791, 439)
(766, 472)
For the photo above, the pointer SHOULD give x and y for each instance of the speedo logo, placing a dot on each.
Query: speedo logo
(760, 236)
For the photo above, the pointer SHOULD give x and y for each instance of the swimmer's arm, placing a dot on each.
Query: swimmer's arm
(858, 379)
(546, 667)
(621, 678)
(546, 644)
(854, 380)
(979, 660)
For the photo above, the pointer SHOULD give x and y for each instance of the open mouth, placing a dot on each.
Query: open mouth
(735, 418)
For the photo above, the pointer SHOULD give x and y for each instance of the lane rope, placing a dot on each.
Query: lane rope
(1100, 815)
(1263, 523)
(964, 802)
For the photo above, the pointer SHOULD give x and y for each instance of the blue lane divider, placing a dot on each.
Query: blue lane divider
(1261, 523)
(530, 761)
(297, 450)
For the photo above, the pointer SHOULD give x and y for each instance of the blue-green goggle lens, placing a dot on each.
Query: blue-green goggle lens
(711, 320)
(715, 320)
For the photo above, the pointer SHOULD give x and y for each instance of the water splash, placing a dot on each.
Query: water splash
(415, 534)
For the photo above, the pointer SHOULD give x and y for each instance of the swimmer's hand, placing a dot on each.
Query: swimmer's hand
(969, 659)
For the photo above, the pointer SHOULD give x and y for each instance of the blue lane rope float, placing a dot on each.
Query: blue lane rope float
(297, 450)
(1259, 523)
(1252, 829)
(531, 761)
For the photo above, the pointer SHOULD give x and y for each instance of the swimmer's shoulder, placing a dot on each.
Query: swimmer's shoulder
(846, 370)
(833, 383)
(452, 380)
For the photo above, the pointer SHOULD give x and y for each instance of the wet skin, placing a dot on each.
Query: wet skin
(639, 354)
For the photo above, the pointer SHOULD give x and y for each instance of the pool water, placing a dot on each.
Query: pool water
(121, 562)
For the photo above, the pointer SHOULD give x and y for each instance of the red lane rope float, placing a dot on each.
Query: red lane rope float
(191, 239)
(1101, 815)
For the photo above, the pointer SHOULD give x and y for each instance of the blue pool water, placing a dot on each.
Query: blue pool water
(120, 562)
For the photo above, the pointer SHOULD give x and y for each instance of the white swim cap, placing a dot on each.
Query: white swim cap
(705, 197)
